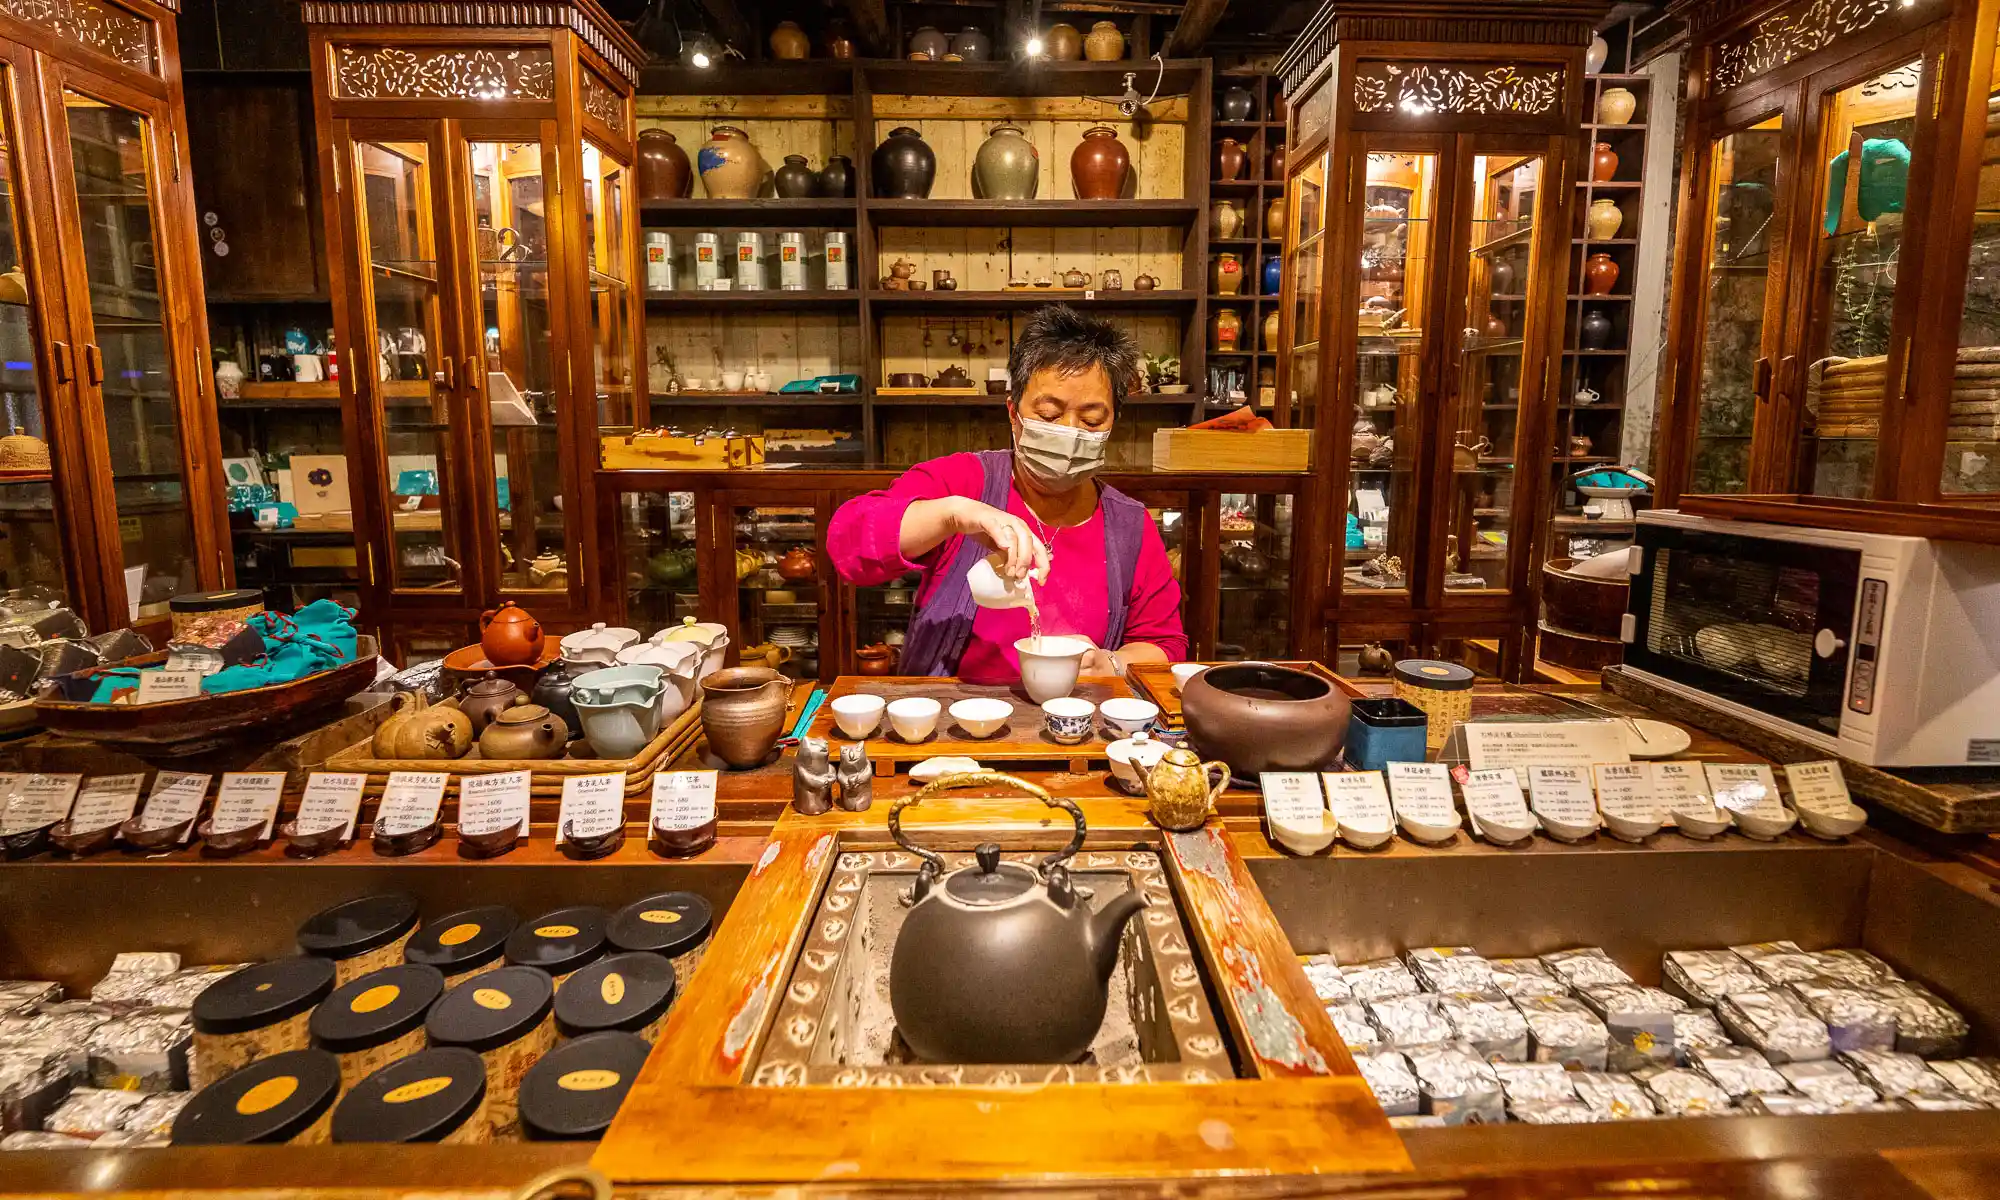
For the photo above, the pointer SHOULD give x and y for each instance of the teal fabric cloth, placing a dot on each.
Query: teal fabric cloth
(317, 638)
(1885, 179)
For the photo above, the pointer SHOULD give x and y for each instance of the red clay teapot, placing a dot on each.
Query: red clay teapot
(510, 636)
(797, 564)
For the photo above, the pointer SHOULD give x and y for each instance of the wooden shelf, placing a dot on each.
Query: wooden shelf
(1027, 78)
(755, 399)
(683, 301)
(1065, 214)
(835, 210)
(1130, 298)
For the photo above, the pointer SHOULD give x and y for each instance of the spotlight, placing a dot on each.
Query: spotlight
(1034, 46)
(700, 52)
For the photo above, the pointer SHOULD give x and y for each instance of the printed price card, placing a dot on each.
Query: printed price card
(592, 806)
(1562, 795)
(1524, 744)
(106, 801)
(1493, 797)
(176, 797)
(490, 803)
(410, 802)
(1745, 788)
(1819, 787)
(247, 798)
(1626, 791)
(1422, 793)
(332, 800)
(155, 686)
(1296, 810)
(1359, 800)
(33, 801)
(683, 799)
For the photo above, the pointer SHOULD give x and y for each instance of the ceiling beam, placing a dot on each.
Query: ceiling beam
(1198, 20)
(871, 25)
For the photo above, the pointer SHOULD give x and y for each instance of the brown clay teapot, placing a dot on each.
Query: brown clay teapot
(524, 731)
(510, 636)
(997, 962)
(421, 731)
(797, 564)
(877, 659)
(484, 699)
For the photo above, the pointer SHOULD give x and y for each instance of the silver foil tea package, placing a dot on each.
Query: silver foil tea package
(1588, 966)
(1925, 1025)
(91, 1111)
(1856, 967)
(1739, 1070)
(1525, 977)
(1352, 1023)
(1706, 976)
(1458, 1085)
(1383, 979)
(1640, 1021)
(1856, 1018)
(1777, 962)
(1534, 1083)
(1562, 1112)
(1776, 1022)
(1828, 1082)
(1390, 1078)
(1896, 1075)
(1978, 1078)
(1490, 1024)
(1613, 1095)
(1327, 981)
(1562, 1030)
(1446, 969)
(1408, 1022)
(1683, 1092)
(1696, 1029)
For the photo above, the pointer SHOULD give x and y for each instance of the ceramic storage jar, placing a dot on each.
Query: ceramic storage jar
(674, 924)
(464, 944)
(559, 942)
(286, 1098)
(264, 1009)
(361, 935)
(573, 1093)
(377, 1019)
(629, 993)
(431, 1096)
(508, 1019)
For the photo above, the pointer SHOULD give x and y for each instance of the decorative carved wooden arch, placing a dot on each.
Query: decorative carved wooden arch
(1514, 22)
(585, 18)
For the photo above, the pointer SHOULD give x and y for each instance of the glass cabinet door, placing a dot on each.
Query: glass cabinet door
(1306, 208)
(777, 586)
(1972, 433)
(1255, 609)
(518, 375)
(112, 158)
(398, 219)
(1745, 231)
(659, 558)
(607, 219)
(1867, 131)
(1493, 371)
(1398, 202)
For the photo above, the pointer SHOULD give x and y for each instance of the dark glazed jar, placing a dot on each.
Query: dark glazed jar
(903, 166)
(1258, 717)
(1596, 331)
(836, 178)
(1098, 165)
(1228, 159)
(795, 180)
(664, 172)
(1238, 104)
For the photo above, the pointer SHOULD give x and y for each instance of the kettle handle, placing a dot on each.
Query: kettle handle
(933, 866)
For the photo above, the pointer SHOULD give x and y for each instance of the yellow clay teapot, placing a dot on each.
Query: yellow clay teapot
(1178, 793)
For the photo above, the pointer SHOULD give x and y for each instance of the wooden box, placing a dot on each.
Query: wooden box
(665, 452)
(1231, 450)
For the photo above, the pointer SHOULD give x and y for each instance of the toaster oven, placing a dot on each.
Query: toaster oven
(1878, 648)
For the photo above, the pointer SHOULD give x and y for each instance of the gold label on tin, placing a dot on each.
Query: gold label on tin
(555, 931)
(263, 987)
(267, 1095)
(660, 916)
(614, 988)
(376, 997)
(588, 1081)
(492, 998)
(417, 1090)
(458, 935)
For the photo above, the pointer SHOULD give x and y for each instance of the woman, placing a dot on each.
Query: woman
(1101, 568)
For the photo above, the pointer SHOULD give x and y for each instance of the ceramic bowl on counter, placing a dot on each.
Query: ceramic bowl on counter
(1261, 717)
(1766, 828)
(1428, 833)
(1127, 715)
(1131, 759)
(1832, 824)
(857, 716)
(598, 645)
(1049, 665)
(712, 637)
(914, 718)
(1702, 822)
(1067, 719)
(981, 716)
(619, 708)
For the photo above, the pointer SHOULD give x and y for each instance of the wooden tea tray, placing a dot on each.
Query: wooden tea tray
(1020, 740)
(1155, 682)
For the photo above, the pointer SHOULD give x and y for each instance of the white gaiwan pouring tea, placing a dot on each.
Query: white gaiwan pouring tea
(990, 589)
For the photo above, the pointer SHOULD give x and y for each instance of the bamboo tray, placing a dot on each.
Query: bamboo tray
(1020, 740)
(547, 773)
(1155, 682)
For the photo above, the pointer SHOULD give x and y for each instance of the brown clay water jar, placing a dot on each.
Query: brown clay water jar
(1098, 165)
(875, 660)
(1260, 717)
(1228, 159)
(743, 712)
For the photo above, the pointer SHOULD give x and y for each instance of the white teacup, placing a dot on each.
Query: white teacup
(1126, 715)
(1049, 665)
(858, 716)
(914, 717)
(1067, 719)
(981, 716)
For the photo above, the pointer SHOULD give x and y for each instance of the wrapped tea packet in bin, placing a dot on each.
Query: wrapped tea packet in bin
(91, 1111)
(144, 1051)
(1562, 1030)
(1683, 1092)
(1458, 1085)
(1390, 1078)
(1489, 1023)
(1534, 1083)
(1446, 969)
(32, 1083)
(1351, 1022)
(1828, 1082)
(133, 972)
(156, 1114)
(1739, 1070)
(1585, 967)
(1408, 1022)
(1696, 1029)
(1382, 979)
(1925, 1025)
(1896, 1075)
(1978, 1078)
(1613, 1094)
(21, 995)
(1640, 1021)
(1857, 967)
(1519, 977)
(1856, 1019)
(1706, 976)
(35, 1139)
(1801, 1106)
(1777, 962)
(1943, 1103)
(180, 989)
(1563, 1112)
(1776, 1022)
(1328, 983)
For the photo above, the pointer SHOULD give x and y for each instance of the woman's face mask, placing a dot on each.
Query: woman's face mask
(1059, 457)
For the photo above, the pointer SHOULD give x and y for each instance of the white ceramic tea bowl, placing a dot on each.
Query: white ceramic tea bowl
(1131, 759)
(1184, 672)
(1503, 833)
(1067, 719)
(1632, 829)
(857, 716)
(1429, 834)
(1833, 824)
(981, 716)
(1049, 665)
(914, 718)
(1766, 828)
(1366, 836)
(1127, 715)
(1702, 823)
(1566, 831)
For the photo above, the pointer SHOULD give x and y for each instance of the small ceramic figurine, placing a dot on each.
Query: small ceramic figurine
(812, 778)
(857, 777)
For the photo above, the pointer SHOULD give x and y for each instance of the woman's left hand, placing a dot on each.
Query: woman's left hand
(1098, 662)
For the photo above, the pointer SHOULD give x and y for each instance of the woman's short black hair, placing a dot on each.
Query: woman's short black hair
(1059, 337)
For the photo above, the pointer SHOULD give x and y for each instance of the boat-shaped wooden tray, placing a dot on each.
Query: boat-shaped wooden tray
(1022, 739)
(547, 774)
(199, 723)
(1155, 682)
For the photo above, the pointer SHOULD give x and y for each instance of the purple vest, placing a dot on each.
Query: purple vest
(942, 625)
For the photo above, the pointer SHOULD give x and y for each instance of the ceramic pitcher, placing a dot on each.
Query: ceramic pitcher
(619, 708)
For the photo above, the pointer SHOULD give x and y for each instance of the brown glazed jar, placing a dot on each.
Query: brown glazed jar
(1099, 164)
(1600, 274)
(264, 1009)
(664, 170)
(1258, 717)
(377, 1019)
(508, 1019)
(464, 944)
(1603, 163)
(436, 1096)
(1228, 159)
(361, 935)
(626, 992)
(285, 1099)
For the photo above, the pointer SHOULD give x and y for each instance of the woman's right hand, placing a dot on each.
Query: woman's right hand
(1005, 533)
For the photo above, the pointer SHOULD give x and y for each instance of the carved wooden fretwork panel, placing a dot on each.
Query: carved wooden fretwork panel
(104, 28)
(438, 73)
(1471, 89)
(1800, 29)
(602, 101)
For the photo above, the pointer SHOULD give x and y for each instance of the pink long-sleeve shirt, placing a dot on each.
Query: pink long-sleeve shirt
(865, 539)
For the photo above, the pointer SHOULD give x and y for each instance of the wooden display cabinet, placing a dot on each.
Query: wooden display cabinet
(1814, 383)
(101, 318)
(1429, 196)
(483, 239)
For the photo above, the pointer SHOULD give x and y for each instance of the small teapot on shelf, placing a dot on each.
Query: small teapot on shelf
(797, 564)
(1074, 278)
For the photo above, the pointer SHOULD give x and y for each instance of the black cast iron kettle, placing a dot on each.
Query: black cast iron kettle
(997, 963)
